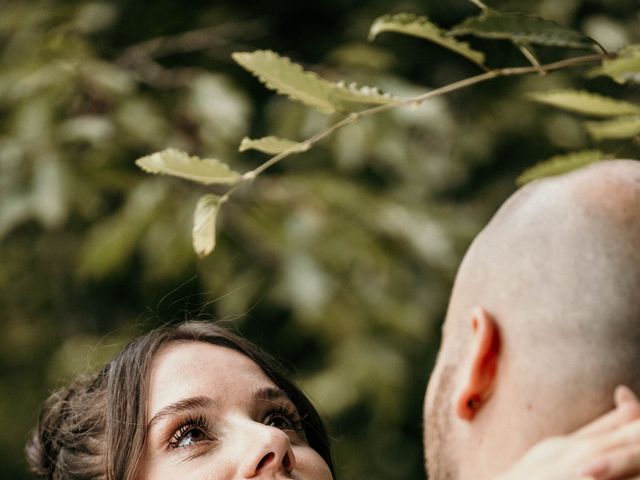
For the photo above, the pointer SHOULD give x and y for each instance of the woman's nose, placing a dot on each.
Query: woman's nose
(268, 450)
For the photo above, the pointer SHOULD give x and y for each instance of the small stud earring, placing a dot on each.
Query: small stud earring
(474, 402)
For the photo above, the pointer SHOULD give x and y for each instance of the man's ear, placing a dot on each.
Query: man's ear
(484, 356)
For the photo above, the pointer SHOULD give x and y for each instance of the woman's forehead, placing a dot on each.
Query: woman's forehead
(191, 369)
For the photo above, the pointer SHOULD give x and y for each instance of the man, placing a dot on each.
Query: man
(543, 322)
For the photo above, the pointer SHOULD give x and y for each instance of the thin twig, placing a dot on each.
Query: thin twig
(483, 77)
(417, 100)
(199, 39)
(142, 58)
(526, 51)
(479, 4)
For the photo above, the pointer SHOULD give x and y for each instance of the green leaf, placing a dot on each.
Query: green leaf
(180, 164)
(287, 78)
(625, 67)
(204, 224)
(351, 95)
(522, 28)
(584, 102)
(560, 164)
(617, 128)
(272, 145)
(417, 26)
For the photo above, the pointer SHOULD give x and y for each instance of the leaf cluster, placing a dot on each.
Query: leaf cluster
(339, 261)
(293, 81)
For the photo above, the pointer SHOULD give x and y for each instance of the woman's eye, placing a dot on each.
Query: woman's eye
(187, 436)
(284, 419)
(191, 437)
(280, 421)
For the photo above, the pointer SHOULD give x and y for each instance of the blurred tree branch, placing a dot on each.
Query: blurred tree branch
(218, 41)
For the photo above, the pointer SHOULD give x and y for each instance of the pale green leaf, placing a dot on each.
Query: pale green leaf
(351, 95)
(417, 26)
(625, 67)
(560, 164)
(522, 28)
(617, 128)
(587, 103)
(272, 145)
(204, 224)
(287, 78)
(180, 164)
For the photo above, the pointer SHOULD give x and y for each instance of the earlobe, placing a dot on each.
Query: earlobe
(485, 353)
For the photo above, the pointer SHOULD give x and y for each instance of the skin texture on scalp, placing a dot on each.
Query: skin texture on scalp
(558, 269)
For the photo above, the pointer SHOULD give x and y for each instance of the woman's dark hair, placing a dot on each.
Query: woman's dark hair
(96, 427)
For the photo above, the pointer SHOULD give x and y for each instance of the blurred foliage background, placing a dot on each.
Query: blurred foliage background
(339, 261)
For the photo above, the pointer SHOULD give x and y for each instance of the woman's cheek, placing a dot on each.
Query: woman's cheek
(310, 465)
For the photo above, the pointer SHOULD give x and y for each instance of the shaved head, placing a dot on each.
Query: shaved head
(559, 264)
(558, 269)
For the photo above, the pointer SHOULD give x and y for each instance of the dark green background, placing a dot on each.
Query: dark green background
(339, 261)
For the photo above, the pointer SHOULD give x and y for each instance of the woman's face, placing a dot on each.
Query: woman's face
(214, 415)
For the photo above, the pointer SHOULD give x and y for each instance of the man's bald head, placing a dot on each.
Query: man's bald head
(559, 267)
(557, 270)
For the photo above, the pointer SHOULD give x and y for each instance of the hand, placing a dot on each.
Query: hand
(608, 448)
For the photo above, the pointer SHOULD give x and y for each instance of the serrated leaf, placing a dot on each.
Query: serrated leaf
(522, 28)
(204, 224)
(271, 145)
(177, 163)
(419, 26)
(587, 103)
(351, 95)
(617, 128)
(625, 67)
(287, 78)
(560, 164)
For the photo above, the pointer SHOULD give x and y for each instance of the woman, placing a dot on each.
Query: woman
(194, 401)
(150, 413)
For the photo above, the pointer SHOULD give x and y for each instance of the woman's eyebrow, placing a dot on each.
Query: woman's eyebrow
(269, 394)
(181, 407)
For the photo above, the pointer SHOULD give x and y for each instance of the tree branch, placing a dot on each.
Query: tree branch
(417, 100)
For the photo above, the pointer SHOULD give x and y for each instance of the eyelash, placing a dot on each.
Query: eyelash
(191, 424)
(200, 423)
(290, 414)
